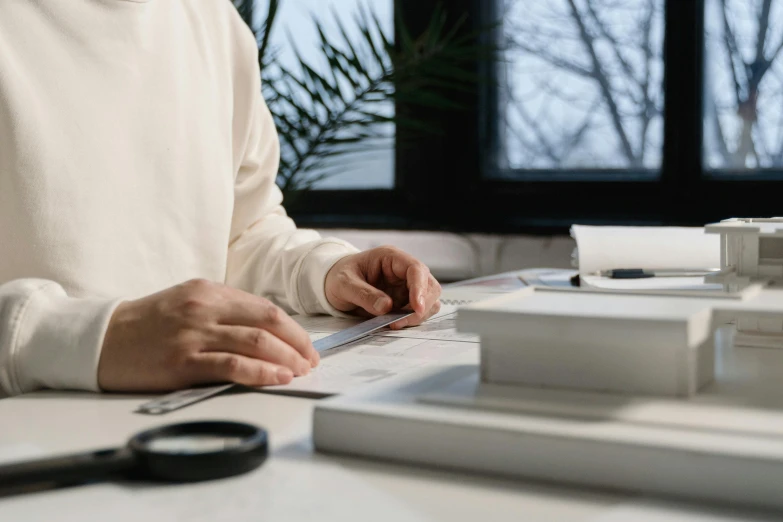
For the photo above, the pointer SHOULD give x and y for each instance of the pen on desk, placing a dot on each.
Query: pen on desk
(642, 273)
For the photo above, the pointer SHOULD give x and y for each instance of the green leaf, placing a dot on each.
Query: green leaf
(266, 29)
(341, 103)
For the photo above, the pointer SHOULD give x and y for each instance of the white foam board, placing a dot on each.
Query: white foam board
(723, 445)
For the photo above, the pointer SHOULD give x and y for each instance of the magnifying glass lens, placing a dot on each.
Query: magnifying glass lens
(193, 444)
(195, 451)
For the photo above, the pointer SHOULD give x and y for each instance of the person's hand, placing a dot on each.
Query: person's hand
(380, 280)
(201, 332)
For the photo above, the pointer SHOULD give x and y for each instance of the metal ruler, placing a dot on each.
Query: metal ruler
(357, 332)
(182, 398)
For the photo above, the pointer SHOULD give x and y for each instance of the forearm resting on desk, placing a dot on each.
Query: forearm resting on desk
(47, 339)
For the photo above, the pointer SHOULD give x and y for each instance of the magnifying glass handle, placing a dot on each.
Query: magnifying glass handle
(81, 467)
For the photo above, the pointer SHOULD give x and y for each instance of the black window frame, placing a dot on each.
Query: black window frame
(441, 181)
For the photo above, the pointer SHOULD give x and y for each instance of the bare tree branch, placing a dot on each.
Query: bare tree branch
(543, 145)
(777, 157)
(761, 145)
(604, 84)
(612, 45)
(733, 51)
(776, 52)
(760, 64)
(554, 60)
(761, 37)
(616, 47)
(753, 151)
(723, 147)
(578, 135)
(649, 106)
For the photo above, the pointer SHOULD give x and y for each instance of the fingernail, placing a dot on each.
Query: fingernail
(380, 304)
(304, 368)
(315, 359)
(284, 375)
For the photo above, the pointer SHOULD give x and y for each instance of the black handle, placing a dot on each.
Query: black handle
(630, 273)
(67, 469)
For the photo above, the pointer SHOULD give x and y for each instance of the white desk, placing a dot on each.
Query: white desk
(67, 422)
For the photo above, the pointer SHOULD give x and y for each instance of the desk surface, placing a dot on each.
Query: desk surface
(66, 422)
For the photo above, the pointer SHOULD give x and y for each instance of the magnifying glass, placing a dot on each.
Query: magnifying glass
(187, 452)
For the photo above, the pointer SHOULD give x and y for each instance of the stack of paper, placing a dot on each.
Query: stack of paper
(607, 248)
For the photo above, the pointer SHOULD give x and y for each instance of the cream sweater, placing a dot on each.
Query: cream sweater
(136, 152)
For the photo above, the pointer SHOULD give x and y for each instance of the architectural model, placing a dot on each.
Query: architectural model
(751, 253)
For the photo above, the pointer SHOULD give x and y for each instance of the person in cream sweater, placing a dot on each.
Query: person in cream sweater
(143, 245)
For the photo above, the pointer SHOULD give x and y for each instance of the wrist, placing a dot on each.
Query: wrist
(336, 278)
(120, 324)
(319, 279)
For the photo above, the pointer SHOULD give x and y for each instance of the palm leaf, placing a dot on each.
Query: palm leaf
(322, 118)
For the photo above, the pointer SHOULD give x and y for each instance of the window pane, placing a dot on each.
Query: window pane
(743, 109)
(372, 166)
(581, 86)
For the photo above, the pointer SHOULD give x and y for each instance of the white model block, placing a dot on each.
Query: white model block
(594, 341)
(751, 253)
(751, 249)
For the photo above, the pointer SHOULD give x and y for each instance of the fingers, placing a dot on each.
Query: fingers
(251, 311)
(258, 344)
(432, 293)
(229, 367)
(378, 280)
(366, 296)
(415, 320)
(417, 278)
(432, 306)
(400, 266)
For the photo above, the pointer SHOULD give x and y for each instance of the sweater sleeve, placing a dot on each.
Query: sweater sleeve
(48, 339)
(268, 255)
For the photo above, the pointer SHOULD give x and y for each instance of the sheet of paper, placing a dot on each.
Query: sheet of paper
(480, 289)
(604, 248)
(384, 354)
(441, 327)
(651, 283)
(373, 359)
(557, 278)
(496, 284)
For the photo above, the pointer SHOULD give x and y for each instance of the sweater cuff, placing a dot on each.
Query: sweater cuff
(59, 341)
(311, 281)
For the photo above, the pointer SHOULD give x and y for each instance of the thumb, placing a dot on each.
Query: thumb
(366, 296)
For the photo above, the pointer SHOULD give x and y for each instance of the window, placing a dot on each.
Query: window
(661, 112)
(293, 38)
(582, 87)
(743, 124)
